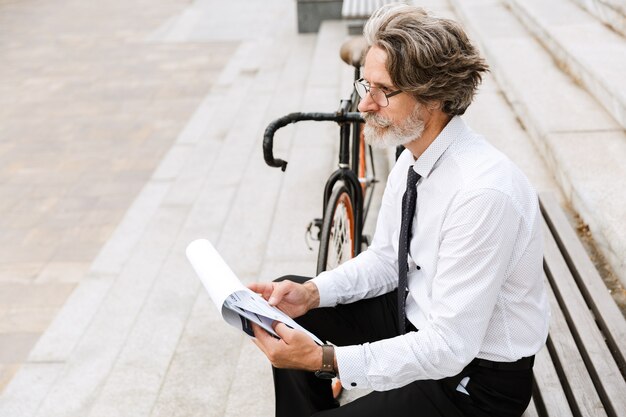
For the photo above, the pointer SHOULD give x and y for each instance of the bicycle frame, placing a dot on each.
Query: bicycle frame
(346, 171)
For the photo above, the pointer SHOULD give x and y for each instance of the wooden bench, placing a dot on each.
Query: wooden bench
(358, 11)
(580, 372)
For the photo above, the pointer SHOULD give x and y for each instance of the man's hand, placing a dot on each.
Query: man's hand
(290, 297)
(294, 349)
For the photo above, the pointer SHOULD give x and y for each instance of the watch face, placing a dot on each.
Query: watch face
(325, 374)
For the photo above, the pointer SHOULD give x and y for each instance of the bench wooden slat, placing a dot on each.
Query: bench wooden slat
(569, 363)
(600, 363)
(551, 392)
(609, 318)
(361, 9)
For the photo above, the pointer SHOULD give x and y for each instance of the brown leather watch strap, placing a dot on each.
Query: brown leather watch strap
(328, 358)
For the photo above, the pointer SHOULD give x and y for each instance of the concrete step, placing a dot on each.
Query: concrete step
(109, 350)
(591, 53)
(311, 151)
(138, 335)
(231, 213)
(493, 116)
(609, 12)
(582, 144)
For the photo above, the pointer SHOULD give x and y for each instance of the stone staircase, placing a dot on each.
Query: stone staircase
(610, 12)
(139, 337)
(582, 46)
(562, 70)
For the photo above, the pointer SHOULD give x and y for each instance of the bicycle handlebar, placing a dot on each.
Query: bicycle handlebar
(268, 136)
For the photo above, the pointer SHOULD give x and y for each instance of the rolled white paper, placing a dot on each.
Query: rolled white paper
(216, 276)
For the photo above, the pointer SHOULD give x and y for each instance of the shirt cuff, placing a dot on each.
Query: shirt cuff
(351, 363)
(326, 288)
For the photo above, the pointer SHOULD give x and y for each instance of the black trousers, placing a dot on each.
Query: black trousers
(492, 392)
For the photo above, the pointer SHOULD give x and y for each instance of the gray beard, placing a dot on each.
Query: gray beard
(381, 133)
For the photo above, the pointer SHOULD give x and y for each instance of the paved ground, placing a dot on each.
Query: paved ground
(128, 130)
(122, 139)
(88, 108)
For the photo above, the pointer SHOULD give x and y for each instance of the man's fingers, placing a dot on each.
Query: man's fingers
(264, 340)
(283, 331)
(279, 291)
(293, 350)
(260, 333)
(267, 343)
(263, 288)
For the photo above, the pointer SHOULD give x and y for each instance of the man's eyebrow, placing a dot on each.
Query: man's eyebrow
(382, 86)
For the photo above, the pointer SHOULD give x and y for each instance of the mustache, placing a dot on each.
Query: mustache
(376, 120)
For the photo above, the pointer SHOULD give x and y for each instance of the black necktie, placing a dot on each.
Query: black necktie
(408, 211)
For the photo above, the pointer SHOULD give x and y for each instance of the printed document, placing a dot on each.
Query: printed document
(237, 304)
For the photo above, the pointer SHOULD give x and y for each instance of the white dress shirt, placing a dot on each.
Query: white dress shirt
(479, 289)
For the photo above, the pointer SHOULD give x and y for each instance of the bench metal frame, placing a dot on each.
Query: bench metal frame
(580, 372)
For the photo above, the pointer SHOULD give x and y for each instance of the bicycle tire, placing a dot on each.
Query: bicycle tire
(338, 228)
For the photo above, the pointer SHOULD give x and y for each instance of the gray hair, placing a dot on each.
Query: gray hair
(428, 57)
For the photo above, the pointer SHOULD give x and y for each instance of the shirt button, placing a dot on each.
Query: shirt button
(353, 384)
(418, 267)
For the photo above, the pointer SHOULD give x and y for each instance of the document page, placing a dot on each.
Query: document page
(237, 304)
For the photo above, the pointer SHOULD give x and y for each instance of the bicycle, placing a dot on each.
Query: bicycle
(349, 189)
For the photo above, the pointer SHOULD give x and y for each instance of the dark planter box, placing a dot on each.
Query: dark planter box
(311, 13)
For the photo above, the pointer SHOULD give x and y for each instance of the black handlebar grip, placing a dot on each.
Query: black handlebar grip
(268, 144)
(268, 136)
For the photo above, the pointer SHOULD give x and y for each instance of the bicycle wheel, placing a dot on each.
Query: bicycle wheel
(338, 227)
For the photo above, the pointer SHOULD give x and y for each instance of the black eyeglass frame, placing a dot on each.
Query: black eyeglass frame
(368, 89)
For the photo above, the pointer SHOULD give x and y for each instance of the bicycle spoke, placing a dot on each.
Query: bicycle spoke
(336, 243)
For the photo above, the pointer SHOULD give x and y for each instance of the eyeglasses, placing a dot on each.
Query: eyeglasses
(379, 96)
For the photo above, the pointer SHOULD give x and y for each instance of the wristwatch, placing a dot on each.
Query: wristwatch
(328, 363)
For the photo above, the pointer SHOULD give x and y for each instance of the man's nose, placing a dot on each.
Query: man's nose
(367, 104)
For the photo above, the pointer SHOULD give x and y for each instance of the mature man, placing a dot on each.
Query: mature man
(443, 314)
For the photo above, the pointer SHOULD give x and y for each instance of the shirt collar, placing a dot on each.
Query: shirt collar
(455, 128)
